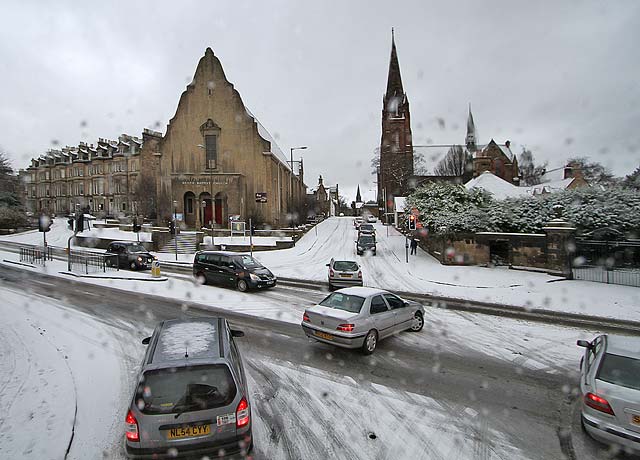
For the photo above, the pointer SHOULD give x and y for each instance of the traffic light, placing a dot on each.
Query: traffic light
(44, 223)
(70, 223)
(172, 227)
(412, 222)
(136, 227)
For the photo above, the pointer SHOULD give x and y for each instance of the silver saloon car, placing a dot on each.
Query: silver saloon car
(359, 317)
(610, 386)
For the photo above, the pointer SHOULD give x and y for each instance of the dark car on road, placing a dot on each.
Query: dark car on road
(191, 397)
(128, 254)
(366, 243)
(231, 269)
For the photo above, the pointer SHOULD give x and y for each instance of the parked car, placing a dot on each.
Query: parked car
(191, 395)
(128, 254)
(366, 229)
(359, 317)
(610, 386)
(357, 222)
(232, 269)
(366, 243)
(344, 273)
(371, 219)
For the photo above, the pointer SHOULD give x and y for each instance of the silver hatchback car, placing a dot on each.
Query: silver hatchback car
(610, 386)
(191, 398)
(358, 317)
(344, 273)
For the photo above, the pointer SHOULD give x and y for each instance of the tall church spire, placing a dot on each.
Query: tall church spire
(471, 139)
(358, 196)
(394, 80)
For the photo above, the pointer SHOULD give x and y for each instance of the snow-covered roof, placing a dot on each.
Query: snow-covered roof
(275, 149)
(499, 188)
(398, 203)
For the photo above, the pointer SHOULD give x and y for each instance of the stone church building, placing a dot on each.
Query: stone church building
(215, 162)
(395, 173)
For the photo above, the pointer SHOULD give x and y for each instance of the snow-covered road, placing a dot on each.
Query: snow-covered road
(301, 410)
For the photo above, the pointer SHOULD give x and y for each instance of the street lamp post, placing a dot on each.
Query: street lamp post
(175, 227)
(291, 177)
(210, 193)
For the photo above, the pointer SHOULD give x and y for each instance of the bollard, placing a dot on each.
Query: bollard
(155, 269)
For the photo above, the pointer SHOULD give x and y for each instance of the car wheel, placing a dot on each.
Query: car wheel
(133, 266)
(331, 287)
(200, 276)
(242, 286)
(418, 322)
(370, 343)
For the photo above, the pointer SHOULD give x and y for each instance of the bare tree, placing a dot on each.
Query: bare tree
(530, 172)
(457, 162)
(144, 193)
(593, 172)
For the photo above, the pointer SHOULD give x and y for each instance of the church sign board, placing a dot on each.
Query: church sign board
(261, 197)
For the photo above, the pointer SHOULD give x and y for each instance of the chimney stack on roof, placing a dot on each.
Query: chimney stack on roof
(507, 144)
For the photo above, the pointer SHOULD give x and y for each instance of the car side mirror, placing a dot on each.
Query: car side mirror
(236, 333)
(146, 341)
(584, 343)
(327, 265)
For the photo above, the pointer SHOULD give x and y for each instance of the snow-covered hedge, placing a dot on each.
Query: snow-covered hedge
(453, 207)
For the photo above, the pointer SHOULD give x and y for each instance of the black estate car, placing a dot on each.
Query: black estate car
(232, 269)
(129, 255)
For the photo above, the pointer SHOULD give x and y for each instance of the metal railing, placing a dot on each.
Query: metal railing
(35, 255)
(611, 262)
(93, 263)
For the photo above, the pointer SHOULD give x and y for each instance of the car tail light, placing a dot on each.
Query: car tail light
(331, 272)
(359, 274)
(132, 427)
(596, 402)
(242, 413)
(346, 327)
(305, 317)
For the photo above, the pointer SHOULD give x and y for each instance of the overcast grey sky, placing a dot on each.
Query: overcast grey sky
(561, 78)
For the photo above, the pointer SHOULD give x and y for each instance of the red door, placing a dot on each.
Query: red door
(207, 213)
(218, 211)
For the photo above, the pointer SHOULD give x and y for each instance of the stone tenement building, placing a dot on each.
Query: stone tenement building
(215, 161)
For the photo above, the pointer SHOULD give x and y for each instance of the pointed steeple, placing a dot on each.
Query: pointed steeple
(394, 80)
(471, 139)
(358, 196)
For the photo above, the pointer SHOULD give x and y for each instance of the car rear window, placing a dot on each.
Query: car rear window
(620, 370)
(345, 266)
(185, 389)
(366, 227)
(346, 302)
(366, 240)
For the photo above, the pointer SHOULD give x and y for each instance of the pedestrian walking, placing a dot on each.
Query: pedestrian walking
(414, 245)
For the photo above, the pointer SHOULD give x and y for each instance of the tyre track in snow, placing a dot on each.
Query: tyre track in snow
(13, 378)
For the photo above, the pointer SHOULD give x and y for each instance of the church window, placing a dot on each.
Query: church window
(210, 142)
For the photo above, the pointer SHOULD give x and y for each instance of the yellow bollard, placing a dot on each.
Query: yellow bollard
(155, 269)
